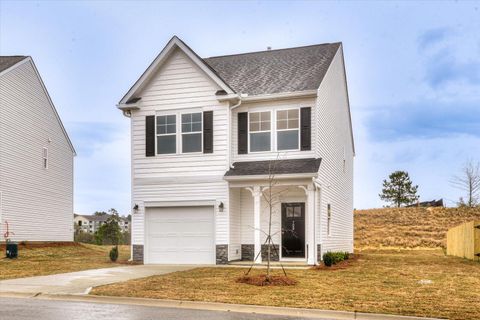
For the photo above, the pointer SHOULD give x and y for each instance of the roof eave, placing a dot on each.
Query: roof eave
(281, 95)
(266, 176)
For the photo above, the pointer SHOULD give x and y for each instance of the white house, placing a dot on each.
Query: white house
(36, 158)
(203, 135)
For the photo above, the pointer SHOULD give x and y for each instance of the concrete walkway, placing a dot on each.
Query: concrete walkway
(82, 281)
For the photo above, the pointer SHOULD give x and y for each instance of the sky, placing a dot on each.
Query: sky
(413, 71)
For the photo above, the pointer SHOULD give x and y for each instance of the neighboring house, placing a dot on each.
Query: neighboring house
(203, 133)
(91, 223)
(36, 158)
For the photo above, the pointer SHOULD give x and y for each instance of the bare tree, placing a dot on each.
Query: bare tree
(270, 194)
(469, 181)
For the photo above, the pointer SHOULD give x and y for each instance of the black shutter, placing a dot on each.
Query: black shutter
(242, 132)
(150, 136)
(305, 129)
(208, 132)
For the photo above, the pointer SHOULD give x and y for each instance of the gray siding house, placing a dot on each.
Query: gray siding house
(36, 158)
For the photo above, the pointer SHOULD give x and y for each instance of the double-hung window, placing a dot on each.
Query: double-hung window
(45, 158)
(166, 134)
(288, 132)
(192, 132)
(260, 131)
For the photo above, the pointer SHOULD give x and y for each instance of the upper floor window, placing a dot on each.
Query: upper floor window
(166, 134)
(45, 158)
(288, 132)
(260, 130)
(192, 132)
(329, 219)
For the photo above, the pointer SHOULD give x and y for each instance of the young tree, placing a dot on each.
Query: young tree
(99, 213)
(109, 232)
(468, 181)
(398, 189)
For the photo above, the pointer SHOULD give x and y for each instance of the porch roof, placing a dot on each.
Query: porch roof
(278, 167)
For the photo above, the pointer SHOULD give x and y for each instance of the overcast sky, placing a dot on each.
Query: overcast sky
(413, 74)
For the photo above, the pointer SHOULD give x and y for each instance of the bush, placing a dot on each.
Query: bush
(331, 258)
(114, 254)
(84, 237)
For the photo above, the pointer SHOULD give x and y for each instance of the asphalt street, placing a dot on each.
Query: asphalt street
(38, 309)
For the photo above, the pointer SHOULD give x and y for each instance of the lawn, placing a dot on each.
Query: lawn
(380, 281)
(45, 260)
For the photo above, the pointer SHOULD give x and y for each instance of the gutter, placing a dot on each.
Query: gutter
(312, 175)
(282, 95)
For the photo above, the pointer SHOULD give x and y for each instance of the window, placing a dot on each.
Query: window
(80, 223)
(259, 128)
(192, 132)
(166, 134)
(45, 158)
(329, 218)
(288, 132)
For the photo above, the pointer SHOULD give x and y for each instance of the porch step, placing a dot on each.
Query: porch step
(275, 264)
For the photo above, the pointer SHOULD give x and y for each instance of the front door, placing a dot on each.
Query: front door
(293, 230)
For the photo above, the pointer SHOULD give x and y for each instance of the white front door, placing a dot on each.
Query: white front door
(179, 235)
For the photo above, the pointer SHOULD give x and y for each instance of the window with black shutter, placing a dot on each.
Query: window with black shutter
(305, 129)
(242, 133)
(208, 132)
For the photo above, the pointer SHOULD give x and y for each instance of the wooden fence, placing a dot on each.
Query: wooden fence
(464, 241)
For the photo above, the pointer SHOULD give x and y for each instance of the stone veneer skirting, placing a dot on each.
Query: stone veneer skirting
(273, 252)
(248, 252)
(137, 252)
(221, 254)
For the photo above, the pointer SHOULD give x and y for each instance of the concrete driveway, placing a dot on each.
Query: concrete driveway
(82, 281)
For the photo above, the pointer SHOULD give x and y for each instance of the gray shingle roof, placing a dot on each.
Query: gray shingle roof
(247, 168)
(8, 61)
(275, 71)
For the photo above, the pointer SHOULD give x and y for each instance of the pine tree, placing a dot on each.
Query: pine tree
(398, 189)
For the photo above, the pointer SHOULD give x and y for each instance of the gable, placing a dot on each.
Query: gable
(23, 80)
(133, 95)
(178, 81)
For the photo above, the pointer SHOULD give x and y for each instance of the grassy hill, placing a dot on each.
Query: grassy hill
(408, 227)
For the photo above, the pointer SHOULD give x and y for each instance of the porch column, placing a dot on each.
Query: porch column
(256, 223)
(310, 215)
(256, 193)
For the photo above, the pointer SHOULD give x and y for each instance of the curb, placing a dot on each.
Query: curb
(216, 306)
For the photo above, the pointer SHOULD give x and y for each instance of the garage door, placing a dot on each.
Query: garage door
(179, 235)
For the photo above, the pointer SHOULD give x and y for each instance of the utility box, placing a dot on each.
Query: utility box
(12, 250)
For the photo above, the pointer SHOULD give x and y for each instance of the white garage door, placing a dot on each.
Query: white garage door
(179, 235)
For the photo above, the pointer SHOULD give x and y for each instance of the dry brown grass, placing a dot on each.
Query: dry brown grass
(382, 281)
(408, 227)
(51, 259)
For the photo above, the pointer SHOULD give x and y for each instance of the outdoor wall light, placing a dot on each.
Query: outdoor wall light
(135, 208)
(220, 207)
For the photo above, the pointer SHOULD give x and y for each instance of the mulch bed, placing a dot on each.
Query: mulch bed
(261, 280)
(352, 260)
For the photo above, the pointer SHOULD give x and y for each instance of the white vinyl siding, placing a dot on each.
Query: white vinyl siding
(334, 146)
(37, 202)
(180, 87)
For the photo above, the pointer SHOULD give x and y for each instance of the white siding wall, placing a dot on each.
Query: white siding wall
(180, 85)
(235, 225)
(37, 203)
(334, 140)
(265, 106)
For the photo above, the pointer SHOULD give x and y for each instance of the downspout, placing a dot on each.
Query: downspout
(316, 186)
(240, 96)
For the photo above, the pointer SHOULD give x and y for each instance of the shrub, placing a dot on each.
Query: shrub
(114, 254)
(84, 237)
(331, 258)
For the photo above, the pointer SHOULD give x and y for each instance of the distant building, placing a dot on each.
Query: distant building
(91, 223)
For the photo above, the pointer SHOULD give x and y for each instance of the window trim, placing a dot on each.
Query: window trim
(329, 219)
(195, 132)
(261, 131)
(282, 130)
(166, 134)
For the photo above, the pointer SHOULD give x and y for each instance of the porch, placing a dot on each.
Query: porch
(291, 205)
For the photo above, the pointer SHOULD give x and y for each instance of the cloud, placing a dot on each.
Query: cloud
(89, 136)
(423, 119)
(432, 37)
